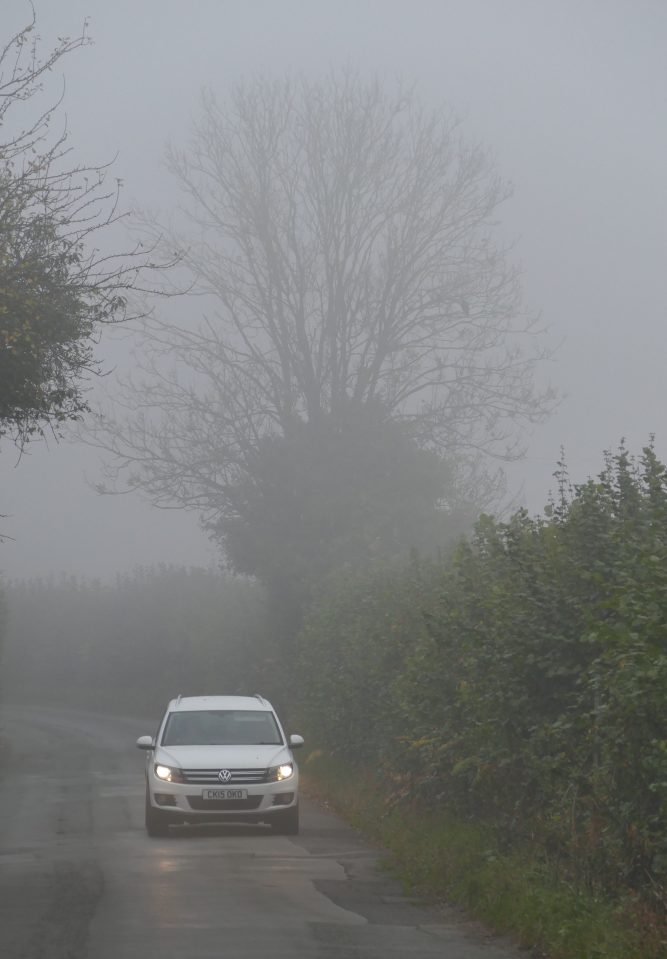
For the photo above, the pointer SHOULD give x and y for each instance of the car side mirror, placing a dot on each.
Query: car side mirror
(145, 742)
(295, 741)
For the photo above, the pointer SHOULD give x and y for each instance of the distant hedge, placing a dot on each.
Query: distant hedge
(524, 683)
(133, 644)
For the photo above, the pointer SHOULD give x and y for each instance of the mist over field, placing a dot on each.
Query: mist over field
(569, 99)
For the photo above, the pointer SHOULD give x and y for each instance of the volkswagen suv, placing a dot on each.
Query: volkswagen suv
(221, 759)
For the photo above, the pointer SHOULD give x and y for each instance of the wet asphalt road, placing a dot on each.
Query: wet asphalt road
(79, 878)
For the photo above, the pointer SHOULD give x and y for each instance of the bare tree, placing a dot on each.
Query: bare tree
(343, 238)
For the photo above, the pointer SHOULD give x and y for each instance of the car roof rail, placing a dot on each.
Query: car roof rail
(179, 698)
(261, 699)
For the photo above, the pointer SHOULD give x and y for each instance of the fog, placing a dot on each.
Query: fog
(569, 96)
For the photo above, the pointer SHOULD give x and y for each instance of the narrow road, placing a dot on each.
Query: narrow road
(79, 878)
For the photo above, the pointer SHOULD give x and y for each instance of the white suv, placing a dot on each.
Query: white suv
(221, 759)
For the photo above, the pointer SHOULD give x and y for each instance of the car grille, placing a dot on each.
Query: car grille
(196, 802)
(209, 777)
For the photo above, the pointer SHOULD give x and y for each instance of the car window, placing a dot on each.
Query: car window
(217, 727)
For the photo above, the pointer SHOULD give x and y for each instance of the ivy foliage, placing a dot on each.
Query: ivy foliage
(341, 492)
(524, 683)
(60, 277)
(47, 318)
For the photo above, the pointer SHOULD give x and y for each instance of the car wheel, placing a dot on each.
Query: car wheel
(157, 824)
(286, 823)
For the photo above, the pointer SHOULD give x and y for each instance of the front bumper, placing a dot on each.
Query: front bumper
(184, 802)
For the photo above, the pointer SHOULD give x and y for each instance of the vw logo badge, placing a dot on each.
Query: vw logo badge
(224, 775)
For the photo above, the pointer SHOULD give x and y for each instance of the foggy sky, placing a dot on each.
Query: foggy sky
(570, 95)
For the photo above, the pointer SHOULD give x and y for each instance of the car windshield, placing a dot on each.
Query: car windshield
(221, 727)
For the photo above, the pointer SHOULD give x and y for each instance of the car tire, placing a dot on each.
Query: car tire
(286, 823)
(157, 824)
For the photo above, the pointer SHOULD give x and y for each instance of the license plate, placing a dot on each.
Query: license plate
(224, 794)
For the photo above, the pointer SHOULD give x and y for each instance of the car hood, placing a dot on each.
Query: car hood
(221, 757)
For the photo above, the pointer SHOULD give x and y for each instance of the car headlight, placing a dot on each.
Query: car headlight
(168, 774)
(278, 773)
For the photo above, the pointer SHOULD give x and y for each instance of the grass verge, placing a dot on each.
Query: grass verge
(444, 857)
